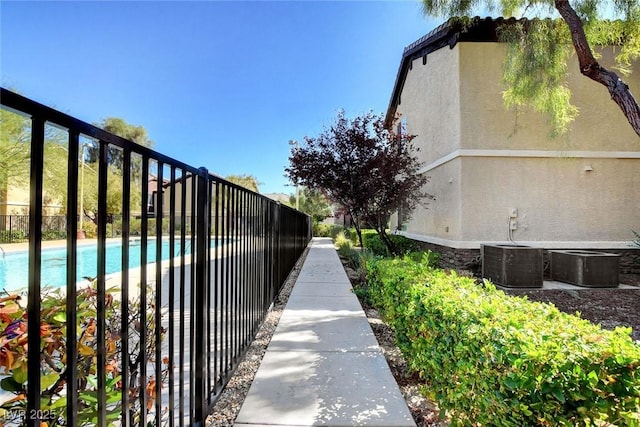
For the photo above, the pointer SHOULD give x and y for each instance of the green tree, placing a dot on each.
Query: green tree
(536, 63)
(115, 162)
(120, 127)
(56, 155)
(313, 203)
(368, 169)
(114, 192)
(14, 150)
(249, 182)
(15, 154)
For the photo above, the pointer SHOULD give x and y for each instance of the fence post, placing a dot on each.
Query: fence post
(35, 243)
(201, 268)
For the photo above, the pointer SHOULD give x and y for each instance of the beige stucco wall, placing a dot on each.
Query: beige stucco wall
(484, 160)
(487, 124)
(433, 88)
(440, 218)
(557, 200)
(166, 199)
(17, 203)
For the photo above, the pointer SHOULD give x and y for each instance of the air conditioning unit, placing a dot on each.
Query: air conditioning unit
(585, 268)
(513, 266)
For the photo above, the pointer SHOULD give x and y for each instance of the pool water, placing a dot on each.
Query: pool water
(14, 266)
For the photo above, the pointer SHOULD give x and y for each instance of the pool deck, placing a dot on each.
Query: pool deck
(24, 246)
(48, 244)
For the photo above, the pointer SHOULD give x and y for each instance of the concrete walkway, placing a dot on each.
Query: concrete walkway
(323, 365)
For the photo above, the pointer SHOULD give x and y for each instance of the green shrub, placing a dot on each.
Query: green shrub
(354, 259)
(54, 235)
(54, 363)
(362, 288)
(326, 230)
(90, 230)
(320, 230)
(342, 243)
(334, 230)
(12, 236)
(372, 241)
(405, 245)
(492, 359)
(135, 226)
(352, 234)
(151, 227)
(113, 230)
(346, 251)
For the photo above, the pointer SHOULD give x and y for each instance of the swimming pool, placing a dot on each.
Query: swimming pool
(14, 266)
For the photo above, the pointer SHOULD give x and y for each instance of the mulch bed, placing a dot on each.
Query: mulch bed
(609, 308)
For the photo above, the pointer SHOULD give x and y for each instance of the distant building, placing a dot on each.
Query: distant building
(14, 213)
(14, 200)
(495, 174)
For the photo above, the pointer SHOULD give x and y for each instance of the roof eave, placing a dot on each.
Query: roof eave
(447, 34)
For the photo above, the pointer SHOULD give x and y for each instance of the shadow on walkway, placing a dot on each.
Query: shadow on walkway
(323, 365)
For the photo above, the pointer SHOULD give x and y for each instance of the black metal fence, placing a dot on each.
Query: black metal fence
(155, 342)
(15, 228)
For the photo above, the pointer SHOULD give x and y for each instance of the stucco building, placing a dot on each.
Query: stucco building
(495, 173)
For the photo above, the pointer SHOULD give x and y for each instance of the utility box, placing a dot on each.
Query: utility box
(585, 268)
(513, 266)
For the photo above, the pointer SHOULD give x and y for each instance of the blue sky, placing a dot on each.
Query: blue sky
(223, 85)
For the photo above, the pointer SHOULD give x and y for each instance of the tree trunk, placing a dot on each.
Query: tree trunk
(356, 225)
(589, 67)
(387, 241)
(4, 192)
(93, 218)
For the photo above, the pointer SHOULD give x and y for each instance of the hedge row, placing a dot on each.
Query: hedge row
(372, 241)
(326, 230)
(493, 359)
